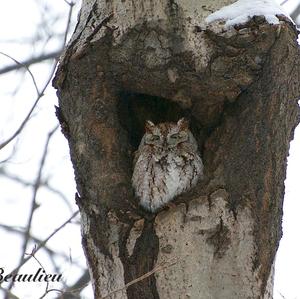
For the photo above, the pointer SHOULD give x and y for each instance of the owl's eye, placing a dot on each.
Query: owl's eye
(154, 137)
(175, 136)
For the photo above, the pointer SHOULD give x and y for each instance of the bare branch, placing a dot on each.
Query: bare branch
(40, 94)
(12, 153)
(24, 260)
(283, 2)
(30, 61)
(9, 293)
(72, 291)
(294, 15)
(33, 201)
(21, 65)
(83, 281)
(38, 181)
(51, 253)
(47, 290)
(71, 5)
(32, 254)
(43, 243)
(43, 183)
(20, 129)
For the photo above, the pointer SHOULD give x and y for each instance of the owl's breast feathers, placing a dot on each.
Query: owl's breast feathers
(161, 170)
(159, 177)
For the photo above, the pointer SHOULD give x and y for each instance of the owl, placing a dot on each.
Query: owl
(166, 164)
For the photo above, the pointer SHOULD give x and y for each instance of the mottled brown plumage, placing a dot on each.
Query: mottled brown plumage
(166, 164)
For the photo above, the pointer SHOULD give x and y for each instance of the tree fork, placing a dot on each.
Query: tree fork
(132, 61)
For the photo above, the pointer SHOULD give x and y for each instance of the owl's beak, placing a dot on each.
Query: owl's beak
(165, 143)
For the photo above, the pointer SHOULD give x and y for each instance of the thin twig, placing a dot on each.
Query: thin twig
(23, 260)
(36, 187)
(25, 64)
(144, 276)
(11, 295)
(12, 153)
(49, 251)
(20, 129)
(71, 4)
(24, 122)
(77, 287)
(295, 13)
(40, 93)
(43, 183)
(32, 254)
(43, 243)
(283, 2)
(21, 65)
(47, 290)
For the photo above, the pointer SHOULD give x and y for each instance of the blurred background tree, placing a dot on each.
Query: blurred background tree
(38, 223)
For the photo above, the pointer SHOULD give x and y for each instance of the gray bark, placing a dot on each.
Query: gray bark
(129, 61)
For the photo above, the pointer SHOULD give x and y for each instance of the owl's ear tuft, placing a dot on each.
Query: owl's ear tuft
(183, 124)
(149, 125)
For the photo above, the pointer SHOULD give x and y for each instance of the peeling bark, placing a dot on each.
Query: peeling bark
(129, 61)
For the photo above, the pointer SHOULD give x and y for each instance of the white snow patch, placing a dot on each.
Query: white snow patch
(242, 10)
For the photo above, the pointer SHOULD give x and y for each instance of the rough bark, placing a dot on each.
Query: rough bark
(129, 61)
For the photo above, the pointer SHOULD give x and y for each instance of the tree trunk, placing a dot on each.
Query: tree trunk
(129, 61)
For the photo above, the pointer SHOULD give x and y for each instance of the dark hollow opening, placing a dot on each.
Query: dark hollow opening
(134, 109)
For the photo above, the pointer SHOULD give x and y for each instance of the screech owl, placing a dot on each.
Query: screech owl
(166, 164)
